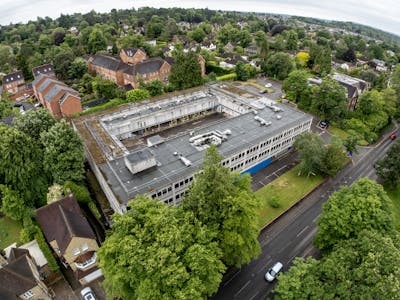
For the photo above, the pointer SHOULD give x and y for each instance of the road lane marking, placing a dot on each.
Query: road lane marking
(234, 275)
(254, 296)
(242, 288)
(304, 229)
(264, 267)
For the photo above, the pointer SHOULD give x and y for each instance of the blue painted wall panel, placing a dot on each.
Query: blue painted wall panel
(258, 167)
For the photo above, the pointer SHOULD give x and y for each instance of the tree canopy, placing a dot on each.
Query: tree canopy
(358, 268)
(225, 203)
(159, 252)
(63, 153)
(349, 211)
(186, 71)
(388, 168)
(279, 65)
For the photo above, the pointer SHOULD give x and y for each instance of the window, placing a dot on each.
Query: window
(85, 247)
(76, 251)
(27, 295)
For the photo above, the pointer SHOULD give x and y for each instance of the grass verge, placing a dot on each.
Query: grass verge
(288, 188)
(9, 231)
(394, 195)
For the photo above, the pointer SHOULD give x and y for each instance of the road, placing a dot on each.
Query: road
(292, 234)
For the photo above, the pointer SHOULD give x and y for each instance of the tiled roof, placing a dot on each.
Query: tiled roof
(130, 51)
(62, 220)
(43, 69)
(13, 77)
(149, 66)
(108, 62)
(16, 278)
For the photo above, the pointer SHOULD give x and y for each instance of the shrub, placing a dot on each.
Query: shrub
(274, 202)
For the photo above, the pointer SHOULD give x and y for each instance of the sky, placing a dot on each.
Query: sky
(382, 14)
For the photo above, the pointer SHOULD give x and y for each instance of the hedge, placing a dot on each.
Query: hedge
(232, 76)
(46, 250)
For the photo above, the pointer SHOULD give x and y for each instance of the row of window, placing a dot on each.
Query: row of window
(169, 189)
(76, 251)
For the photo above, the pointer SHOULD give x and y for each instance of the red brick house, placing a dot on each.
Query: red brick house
(133, 55)
(61, 100)
(14, 83)
(124, 74)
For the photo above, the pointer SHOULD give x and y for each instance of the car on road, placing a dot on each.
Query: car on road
(273, 272)
(87, 294)
(268, 85)
(392, 136)
(263, 91)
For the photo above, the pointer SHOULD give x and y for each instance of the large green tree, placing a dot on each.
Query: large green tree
(20, 168)
(360, 268)
(186, 71)
(330, 100)
(279, 65)
(159, 252)
(296, 88)
(388, 168)
(311, 151)
(363, 206)
(12, 204)
(63, 153)
(97, 41)
(34, 122)
(225, 203)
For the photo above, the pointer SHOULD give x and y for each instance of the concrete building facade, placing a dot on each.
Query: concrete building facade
(250, 136)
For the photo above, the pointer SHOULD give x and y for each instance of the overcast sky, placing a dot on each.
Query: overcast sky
(382, 14)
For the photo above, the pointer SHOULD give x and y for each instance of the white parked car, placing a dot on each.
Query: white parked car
(87, 294)
(268, 85)
(273, 272)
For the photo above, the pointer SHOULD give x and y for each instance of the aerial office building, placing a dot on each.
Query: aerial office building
(156, 148)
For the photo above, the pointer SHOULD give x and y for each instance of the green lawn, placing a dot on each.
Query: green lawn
(9, 231)
(338, 132)
(289, 188)
(395, 196)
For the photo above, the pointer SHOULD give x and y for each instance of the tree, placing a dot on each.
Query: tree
(97, 41)
(63, 153)
(80, 192)
(159, 252)
(20, 168)
(242, 72)
(263, 53)
(351, 141)
(34, 122)
(197, 34)
(279, 65)
(333, 160)
(291, 39)
(359, 268)
(388, 168)
(302, 59)
(62, 62)
(137, 95)
(104, 88)
(363, 206)
(320, 59)
(77, 69)
(154, 87)
(58, 36)
(186, 71)
(330, 100)
(311, 151)
(225, 203)
(12, 204)
(296, 87)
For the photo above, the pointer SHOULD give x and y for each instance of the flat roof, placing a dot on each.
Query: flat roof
(245, 132)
